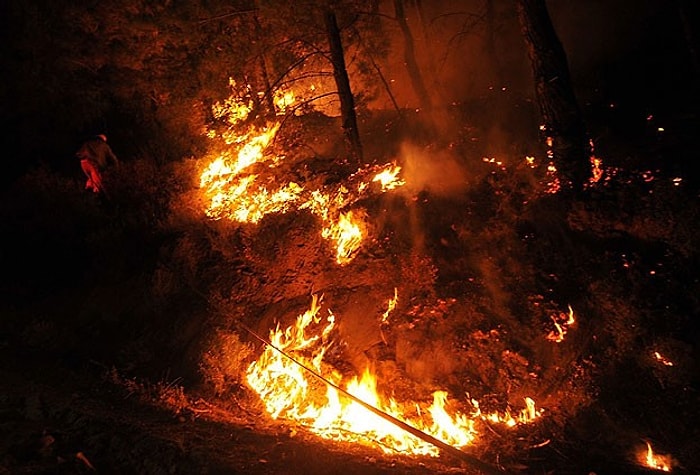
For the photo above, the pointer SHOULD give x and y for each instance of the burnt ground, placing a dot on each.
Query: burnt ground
(120, 337)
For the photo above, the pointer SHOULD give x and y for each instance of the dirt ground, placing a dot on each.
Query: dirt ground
(59, 420)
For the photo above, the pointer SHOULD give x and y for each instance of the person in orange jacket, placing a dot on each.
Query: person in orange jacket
(95, 157)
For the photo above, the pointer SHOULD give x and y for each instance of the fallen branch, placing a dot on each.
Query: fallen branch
(455, 452)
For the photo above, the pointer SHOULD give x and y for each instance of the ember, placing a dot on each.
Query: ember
(561, 325)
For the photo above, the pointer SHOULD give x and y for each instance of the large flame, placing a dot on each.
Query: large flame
(289, 391)
(237, 189)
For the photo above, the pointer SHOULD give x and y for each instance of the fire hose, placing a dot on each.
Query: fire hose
(447, 448)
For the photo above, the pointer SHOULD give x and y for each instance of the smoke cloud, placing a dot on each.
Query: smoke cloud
(436, 171)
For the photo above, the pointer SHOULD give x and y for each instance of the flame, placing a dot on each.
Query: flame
(347, 233)
(234, 192)
(561, 326)
(525, 416)
(388, 177)
(283, 99)
(391, 305)
(596, 169)
(290, 392)
(236, 108)
(665, 361)
(656, 461)
(554, 183)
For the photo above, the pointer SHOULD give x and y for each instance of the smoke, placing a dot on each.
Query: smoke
(436, 171)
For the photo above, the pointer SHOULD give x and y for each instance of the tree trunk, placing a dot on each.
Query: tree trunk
(555, 95)
(340, 73)
(410, 58)
(490, 43)
(269, 101)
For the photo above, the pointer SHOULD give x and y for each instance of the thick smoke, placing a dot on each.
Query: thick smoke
(436, 171)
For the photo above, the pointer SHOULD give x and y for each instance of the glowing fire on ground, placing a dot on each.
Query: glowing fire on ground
(238, 184)
(662, 359)
(655, 461)
(561, 325)
(291, 392)
(347, 233)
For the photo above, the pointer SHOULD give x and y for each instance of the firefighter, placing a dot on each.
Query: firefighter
(95, 157)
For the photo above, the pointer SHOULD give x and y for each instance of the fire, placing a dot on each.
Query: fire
(661, 358)
(391, 305)
(347, 233)
(388, 177)
(238, 188)
(291, 391)
(596, 169)
(656, 461)
(235, 108)
(596, 165)
(553, 182)
(525, 416)
(236, 195)
(561, 326)
(283, 99)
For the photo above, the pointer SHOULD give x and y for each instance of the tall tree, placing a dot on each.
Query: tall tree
(340, 73)
(563, 121)
(410, 57)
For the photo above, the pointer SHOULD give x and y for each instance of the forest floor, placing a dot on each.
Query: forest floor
(120, 350)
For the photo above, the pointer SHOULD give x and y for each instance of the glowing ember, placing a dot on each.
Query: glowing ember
(656, 461)
(659, 357)
(290, 392)
(391, 305)
(561, 325)
(493, 160)
(553, 183)
(596, 169)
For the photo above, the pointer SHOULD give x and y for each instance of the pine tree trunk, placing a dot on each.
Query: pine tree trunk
(269, 101)
(340, 73)
(410, 58)
(562, 117)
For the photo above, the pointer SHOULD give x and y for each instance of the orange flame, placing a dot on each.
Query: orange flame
(289, 393)
(661, 358)
(388, 177)
(234, 192)
(561, 326)
(347, 233)
(656, 461)
(391, 305)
